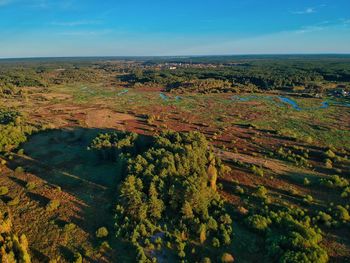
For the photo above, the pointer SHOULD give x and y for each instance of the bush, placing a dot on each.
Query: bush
(258, 222)
(306, 182)
(4, 190)
(257, 171)
(308, 199)
(328, 163)
(238, 190)
(30, 186)
(13, 202)
(342, 213)
(227, 258)
(69, 227)
(330, 154)
(324, 217)
(52, 205)
(102, 232)
(206, 260)
(346, 192)
(77, 258)
(261, 192)
(215, 242)
(334, 181)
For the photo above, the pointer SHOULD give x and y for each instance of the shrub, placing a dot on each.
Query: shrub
(324, 217)
(206, 260)
(257, 171)
(258, 222)
(102, 232)
(308, 199)
(328, 163)
(13, 202)
(346, 192)
(4, 190)
(227, 258)
(77, 258)
(238, 190)
(330, 154)
(30, 186)
(52, 205)
(334, 181)
(342, 213)
(69, 227)
(19, 170)
(215, 242)
(306, 182)
(261, 192)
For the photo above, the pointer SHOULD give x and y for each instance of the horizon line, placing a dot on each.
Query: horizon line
(181, 56)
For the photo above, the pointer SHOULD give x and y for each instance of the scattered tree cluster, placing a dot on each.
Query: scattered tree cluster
(12, 248)
(168, 197)
(12, 131)
(290, 236)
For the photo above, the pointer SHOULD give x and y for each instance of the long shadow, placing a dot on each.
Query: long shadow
(61, 158)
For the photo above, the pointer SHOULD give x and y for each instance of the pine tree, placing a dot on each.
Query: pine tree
(155, 206)
(202, 233)
(212, 174)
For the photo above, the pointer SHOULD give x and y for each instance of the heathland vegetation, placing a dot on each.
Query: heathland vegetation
(136, 160)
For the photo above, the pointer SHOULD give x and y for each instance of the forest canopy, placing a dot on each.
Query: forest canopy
(169, 192)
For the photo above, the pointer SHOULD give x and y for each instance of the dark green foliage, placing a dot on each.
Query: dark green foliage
(334, 181)
(8, 116)
(342, 213)
(110, 145)
(167, 189)
(258, 222)
(294, 154)
(293, 239)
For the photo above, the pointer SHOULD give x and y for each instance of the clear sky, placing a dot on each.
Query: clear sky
(31, 28)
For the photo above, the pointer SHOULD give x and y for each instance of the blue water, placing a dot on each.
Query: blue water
(285, 100)
(325, 105)
(290, 102)
(164, 97)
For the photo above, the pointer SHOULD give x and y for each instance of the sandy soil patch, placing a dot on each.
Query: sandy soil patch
(105, 118)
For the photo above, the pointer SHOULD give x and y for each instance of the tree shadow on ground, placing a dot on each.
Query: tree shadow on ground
(62, 159)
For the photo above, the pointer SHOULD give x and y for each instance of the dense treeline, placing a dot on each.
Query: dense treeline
(169, 194)
(225, 75)
(12, 77)
(255, 75)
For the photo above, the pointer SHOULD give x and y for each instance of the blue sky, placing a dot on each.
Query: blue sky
(31, 28)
